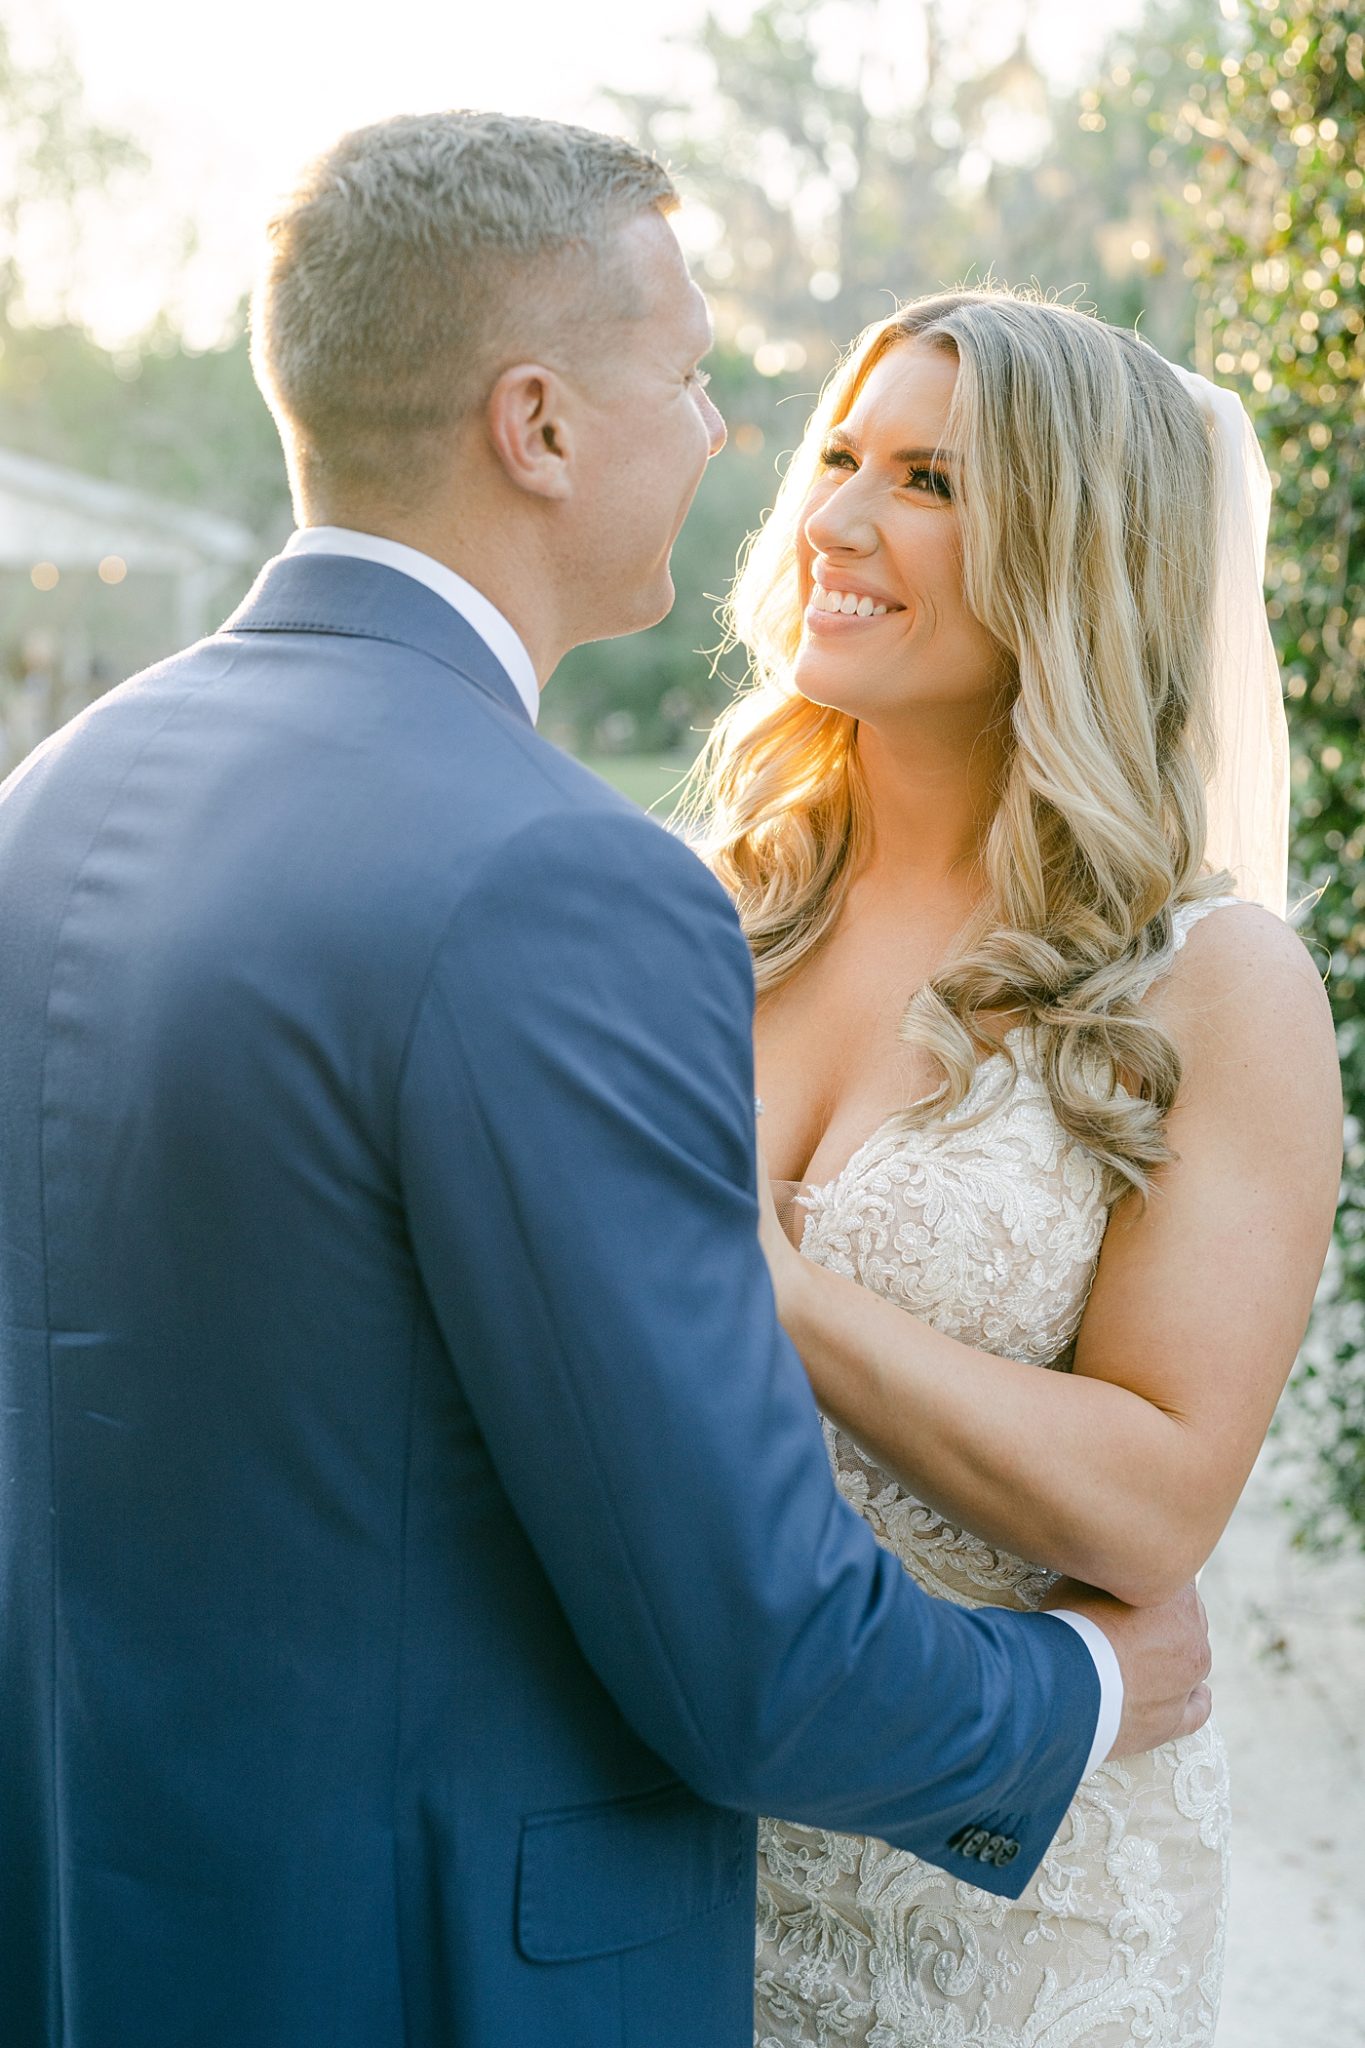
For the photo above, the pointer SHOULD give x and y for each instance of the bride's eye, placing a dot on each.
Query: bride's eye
(834, 457)
(929, 483)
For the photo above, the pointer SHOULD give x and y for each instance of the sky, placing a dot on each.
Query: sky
(229, 100)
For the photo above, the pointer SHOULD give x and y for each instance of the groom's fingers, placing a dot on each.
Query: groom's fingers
(1164, 1655)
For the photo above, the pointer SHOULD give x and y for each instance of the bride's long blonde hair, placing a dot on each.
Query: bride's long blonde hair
(1086, 499)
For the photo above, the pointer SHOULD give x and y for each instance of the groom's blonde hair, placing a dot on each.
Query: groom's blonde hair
(418, 258)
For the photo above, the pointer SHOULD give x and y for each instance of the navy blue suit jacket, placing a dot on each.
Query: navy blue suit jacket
(418, 1556)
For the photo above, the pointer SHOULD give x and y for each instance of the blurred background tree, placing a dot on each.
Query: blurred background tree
(1275, 218)
(821, 189)
(52, 158)
(822, 183)
(185, 423)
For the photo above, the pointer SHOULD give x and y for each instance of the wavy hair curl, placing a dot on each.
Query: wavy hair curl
(1086, 501)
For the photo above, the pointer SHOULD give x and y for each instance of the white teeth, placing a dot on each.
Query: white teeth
(846, 602)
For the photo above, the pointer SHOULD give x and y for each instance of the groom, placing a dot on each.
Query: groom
(418, 1555)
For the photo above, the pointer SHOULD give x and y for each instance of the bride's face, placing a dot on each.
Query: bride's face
(881, 527)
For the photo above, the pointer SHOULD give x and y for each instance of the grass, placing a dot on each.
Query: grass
(650, 780)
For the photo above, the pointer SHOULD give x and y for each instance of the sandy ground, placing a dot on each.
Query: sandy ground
(1289, 1693)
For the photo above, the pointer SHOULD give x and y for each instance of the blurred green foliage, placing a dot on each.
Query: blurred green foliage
(1276, 224)
(182, 423)
(51, 155)
(823, 214)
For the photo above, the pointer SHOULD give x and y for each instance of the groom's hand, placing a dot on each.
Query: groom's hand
(1163, 1653)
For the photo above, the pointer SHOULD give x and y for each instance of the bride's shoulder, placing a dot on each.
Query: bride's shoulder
(1226, 948)
(1245, 1001)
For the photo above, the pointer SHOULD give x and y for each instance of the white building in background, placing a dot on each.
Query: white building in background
(96, 579)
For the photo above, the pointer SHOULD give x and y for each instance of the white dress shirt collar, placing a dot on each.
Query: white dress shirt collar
(498, 635)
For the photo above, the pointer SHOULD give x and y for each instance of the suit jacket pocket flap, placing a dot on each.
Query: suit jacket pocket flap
(595, 1879)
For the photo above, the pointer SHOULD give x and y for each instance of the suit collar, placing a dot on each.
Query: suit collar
(359, 600)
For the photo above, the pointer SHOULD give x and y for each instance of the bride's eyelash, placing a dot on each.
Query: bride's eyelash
(701, 378)
(938, 483)
(832, 456)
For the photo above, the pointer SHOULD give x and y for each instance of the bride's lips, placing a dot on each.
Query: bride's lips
(844, 622)
(873, 607)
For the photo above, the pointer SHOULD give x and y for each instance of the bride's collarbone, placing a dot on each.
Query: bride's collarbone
(833, 1066)
(826, 1093)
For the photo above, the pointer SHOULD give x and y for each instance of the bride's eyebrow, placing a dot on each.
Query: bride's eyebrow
(839, 437)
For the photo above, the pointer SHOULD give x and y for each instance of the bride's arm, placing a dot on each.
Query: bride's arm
(1124, 1472)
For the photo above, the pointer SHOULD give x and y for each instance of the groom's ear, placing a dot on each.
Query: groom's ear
(528, 425)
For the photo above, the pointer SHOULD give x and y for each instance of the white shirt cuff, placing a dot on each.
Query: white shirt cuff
(1110, 1677)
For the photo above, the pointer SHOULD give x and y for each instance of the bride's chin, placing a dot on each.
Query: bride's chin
(819, 684)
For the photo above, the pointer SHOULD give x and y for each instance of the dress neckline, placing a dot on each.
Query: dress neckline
(988, 1060)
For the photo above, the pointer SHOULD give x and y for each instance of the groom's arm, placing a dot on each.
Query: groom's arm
(576, 1148)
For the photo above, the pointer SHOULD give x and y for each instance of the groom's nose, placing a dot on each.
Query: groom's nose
(715, 425)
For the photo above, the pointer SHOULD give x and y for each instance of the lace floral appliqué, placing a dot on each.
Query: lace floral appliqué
(989, 1229)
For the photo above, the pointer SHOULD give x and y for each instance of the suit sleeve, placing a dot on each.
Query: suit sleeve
(577, 1158)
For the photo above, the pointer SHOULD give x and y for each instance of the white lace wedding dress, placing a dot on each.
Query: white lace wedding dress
(991, 1234)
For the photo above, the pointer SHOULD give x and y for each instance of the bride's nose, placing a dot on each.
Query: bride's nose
(843, 522)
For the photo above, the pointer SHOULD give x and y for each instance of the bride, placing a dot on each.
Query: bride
(1053, 1095)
